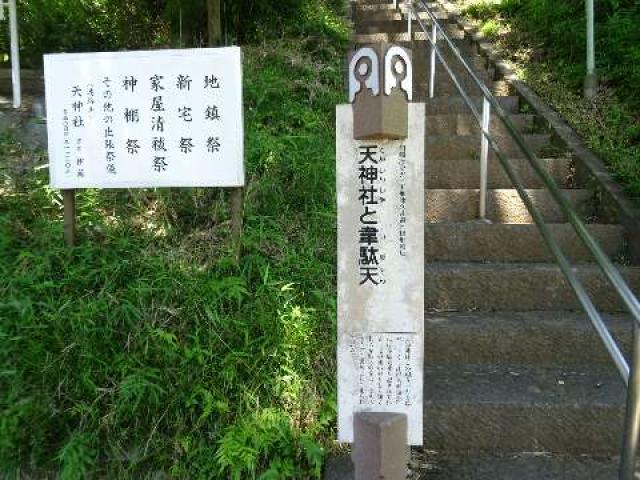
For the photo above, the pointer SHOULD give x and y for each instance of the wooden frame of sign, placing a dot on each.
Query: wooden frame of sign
(147, 119)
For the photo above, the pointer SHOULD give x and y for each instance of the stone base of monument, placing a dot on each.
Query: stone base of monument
(380, 449)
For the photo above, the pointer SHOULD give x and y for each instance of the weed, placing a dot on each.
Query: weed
(480, 10)
(545, 42)
(490, 28)
(148, 349)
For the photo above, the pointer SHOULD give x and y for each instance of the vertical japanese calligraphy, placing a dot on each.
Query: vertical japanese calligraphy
(371, 158)
(385, 368)
(138, 119)
(109, 135)
(402, 210)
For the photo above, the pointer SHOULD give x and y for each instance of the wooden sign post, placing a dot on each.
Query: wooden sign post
(380, 189)
(165, 118)
(214, 12)
(69, 221)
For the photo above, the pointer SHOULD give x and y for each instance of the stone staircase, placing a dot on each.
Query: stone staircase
(517, 383)
(27, 123)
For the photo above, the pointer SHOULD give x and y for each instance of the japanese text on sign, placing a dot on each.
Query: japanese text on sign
(370, 191)
(385, 368)
(145, 119)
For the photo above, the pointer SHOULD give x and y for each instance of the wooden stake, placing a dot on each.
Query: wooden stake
(236, 217)
(215, 23)
(69, 208)
(215, 39)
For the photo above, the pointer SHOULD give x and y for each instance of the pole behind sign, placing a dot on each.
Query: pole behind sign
(237, 194)
(15, 53)
(69, 216)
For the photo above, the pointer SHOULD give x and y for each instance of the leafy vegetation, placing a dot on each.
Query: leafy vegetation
(149, 349)
(546, 42)
(49, 26)
(558, 32)
(247, 20)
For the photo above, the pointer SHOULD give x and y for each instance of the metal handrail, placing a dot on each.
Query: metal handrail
(631, 376)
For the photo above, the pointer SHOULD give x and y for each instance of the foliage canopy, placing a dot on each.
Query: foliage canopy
(560, 29)
(49, 26)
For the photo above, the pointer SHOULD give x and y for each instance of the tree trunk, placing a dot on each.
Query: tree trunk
(215, 23)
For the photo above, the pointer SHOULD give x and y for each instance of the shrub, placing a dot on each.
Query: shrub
(560, 28)
(490, 28)
(50, 26)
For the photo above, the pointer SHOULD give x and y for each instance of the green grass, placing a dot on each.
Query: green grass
(606, 123)
(490, 28)
(545, 42)
(148, 348)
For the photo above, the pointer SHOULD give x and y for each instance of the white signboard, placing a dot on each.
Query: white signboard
(380, 274)
(166, 118)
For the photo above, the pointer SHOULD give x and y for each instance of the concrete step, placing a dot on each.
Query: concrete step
(502, 409)
(387, 6)
(537, 338)
(395, 25)
(372, 8)
(26, 124)
(375, 4)
(422, 72)
(449, 147)
(503, 205)
(421, 48)
(499, 88)
(32, 81)
(517, 287)
(368, 15)
(466, 124)
(418, 37)
(430, 465)
(444, 87)
(456, 104)
(422, 63)
(502, 242)
(447, 173)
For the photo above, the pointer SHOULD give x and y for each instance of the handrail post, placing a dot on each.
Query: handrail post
(15, 55)
(484, 157)
(432, 73)
(591, 78)
(410, 21)
(632, 416)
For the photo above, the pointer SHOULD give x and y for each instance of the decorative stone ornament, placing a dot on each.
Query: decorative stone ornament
(363, 63)
(380, 113)
(398, 72)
